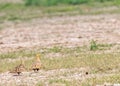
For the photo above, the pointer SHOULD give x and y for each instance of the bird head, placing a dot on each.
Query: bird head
(22, 62)
(38, 57)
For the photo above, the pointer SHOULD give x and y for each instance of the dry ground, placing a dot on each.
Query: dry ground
(66, 31)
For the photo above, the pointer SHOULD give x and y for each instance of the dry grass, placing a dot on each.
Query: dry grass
(67, 58)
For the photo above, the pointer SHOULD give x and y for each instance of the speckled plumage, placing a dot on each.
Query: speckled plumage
(19, 69)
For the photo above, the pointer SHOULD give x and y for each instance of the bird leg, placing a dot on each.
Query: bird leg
(18, 73)
(37, 69)
(34, 70)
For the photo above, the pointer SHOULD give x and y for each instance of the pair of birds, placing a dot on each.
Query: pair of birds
(36, 65)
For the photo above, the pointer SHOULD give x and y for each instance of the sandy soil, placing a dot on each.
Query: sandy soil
(41, 76)
(64, 30)
(32, 79)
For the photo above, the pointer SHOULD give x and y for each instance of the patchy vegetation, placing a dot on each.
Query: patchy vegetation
(62, 31)
(68, 66)
(69, 58)
(16, 12)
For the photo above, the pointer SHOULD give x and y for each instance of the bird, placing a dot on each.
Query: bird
(36, 64)
(19, 68)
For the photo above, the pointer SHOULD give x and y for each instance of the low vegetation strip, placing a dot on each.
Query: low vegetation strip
(21, 12)
(57, 58)
(71, 2)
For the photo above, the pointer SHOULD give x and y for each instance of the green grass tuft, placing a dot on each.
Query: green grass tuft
(93, 45)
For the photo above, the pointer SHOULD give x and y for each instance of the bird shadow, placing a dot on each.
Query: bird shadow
(17, 75)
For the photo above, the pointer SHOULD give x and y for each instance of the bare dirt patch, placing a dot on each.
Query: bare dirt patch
(31, 78)
(66, 31)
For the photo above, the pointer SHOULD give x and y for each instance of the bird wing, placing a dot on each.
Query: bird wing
(36, 64)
